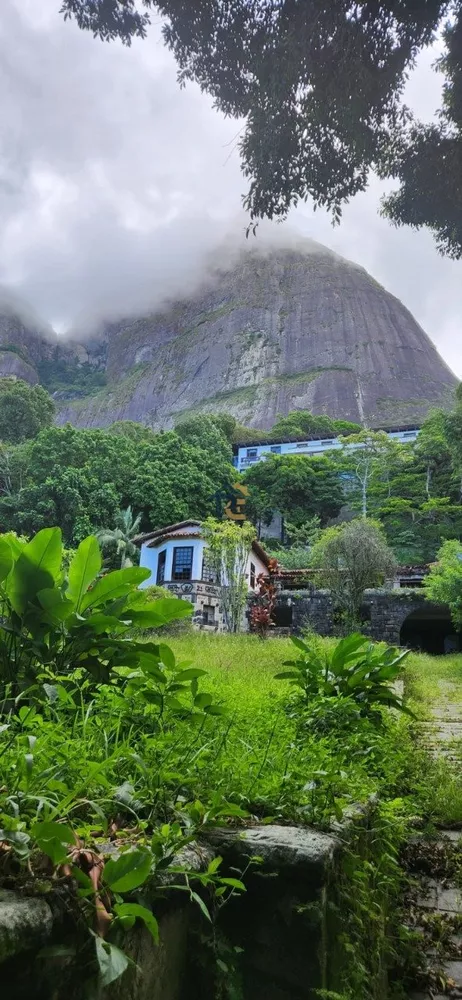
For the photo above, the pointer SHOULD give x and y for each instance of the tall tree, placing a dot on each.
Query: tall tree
(352, 557)
(24, 410)
(302, 423)
(204, 432)
(297, 486)
(80, 479)
(319, 86)
(365, 459)
(453, 433)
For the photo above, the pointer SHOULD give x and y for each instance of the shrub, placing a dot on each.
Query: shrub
(355, 670)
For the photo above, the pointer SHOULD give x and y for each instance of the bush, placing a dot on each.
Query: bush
(355, 670)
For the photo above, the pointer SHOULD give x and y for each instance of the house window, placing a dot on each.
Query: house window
(276, 449)
(252, 576)
(208, 614)
(161, 566)
(251, 452)
(302, 444)
(208, 572)
(182, 563)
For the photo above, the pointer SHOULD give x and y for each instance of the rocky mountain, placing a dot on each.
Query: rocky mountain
(277, 330)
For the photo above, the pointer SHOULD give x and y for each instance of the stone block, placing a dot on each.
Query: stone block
(26, 923)
(287, 850)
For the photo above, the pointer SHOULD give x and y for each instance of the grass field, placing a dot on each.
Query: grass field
(268, 767)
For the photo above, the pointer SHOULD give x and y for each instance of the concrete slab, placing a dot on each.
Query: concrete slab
(449, 900)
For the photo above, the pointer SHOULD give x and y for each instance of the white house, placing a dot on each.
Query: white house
(177, 558)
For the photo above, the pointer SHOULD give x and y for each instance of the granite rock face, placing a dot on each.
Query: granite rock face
(277, 331)
(25, 341)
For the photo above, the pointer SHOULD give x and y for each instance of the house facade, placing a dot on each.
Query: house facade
(177, 558)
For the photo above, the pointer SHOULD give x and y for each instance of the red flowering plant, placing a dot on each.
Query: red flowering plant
(261, 611)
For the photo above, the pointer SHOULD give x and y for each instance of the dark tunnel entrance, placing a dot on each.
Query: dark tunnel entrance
(430, 630)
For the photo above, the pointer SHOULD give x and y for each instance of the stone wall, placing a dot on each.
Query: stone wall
(383, 612)
(282, 928)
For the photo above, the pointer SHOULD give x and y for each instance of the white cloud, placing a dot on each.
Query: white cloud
(115, 184)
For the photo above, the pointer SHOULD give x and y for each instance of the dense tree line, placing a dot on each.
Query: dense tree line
(415, 491)
(82, 480)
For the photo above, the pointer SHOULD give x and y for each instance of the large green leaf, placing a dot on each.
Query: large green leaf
(129, 912)
(118, 583)
(345, 650)
(37, 568)
(54, 839)
(53, 601)
(84, 569)
(6, 558)
(128, 872)
(112, 961)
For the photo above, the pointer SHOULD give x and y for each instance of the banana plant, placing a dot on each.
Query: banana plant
(53, 620)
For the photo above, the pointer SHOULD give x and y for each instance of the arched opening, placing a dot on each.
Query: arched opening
(430, 630)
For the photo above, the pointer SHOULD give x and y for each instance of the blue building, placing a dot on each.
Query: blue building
(246, 455)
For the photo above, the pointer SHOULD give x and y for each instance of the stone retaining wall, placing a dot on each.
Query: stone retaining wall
(282, 923)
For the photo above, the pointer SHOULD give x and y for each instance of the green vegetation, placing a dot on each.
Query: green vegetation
(413, 490)
(309, 143)
(24, 410)
(297, 486)
(118, 541)
(70, 376)
(444, 582)
(81, 479)
(299, 424)
(350, 558)
(104, 733)
(229, 545)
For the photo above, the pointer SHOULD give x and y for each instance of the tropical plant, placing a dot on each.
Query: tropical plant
(444, 581)
(351, 557)
(55, 620)
(119, 540)
(355, 669)
(261, 611)
(229, 545)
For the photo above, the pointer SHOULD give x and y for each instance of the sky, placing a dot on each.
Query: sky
(116, 186)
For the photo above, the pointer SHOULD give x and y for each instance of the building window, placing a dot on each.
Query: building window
(276, 449)
(302, 444)
(182, 563)
(251, 452)
(208, 614)
(161, 567)
(252, 576)
(208, 572)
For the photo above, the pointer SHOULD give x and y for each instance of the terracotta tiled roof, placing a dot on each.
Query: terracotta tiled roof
(177, 531)
(170, 529)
